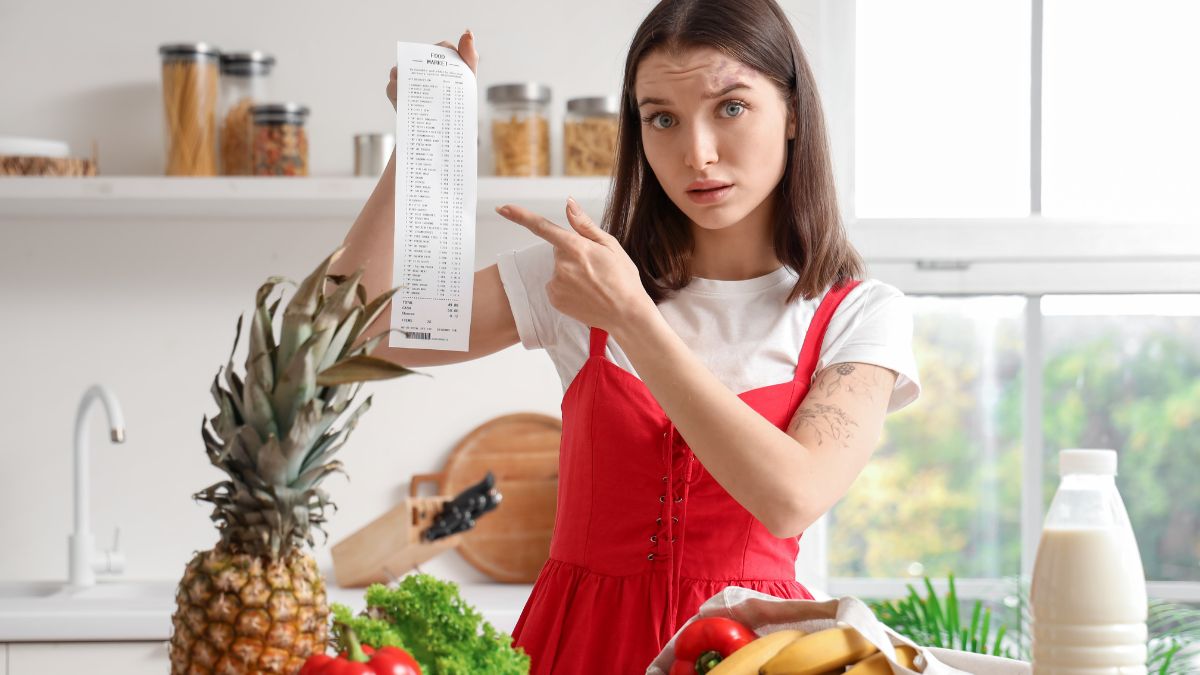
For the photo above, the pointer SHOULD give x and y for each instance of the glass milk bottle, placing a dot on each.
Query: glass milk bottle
(1088, 597)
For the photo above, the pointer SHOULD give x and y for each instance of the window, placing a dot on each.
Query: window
(942, 108)
(1010, 166)
(1123, 372)
(942, 493)
(1120, 108)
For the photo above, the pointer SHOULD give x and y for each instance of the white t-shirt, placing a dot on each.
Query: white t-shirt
(743, 331)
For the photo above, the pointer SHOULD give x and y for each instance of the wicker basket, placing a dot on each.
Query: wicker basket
(16, 165)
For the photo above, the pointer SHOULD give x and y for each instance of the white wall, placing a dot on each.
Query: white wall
(150, 308)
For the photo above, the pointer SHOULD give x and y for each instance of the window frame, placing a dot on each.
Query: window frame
(973, 256)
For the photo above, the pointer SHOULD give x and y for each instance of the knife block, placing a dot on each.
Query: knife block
(391, 545)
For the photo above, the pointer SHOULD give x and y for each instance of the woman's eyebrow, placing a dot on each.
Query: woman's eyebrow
(649, 100)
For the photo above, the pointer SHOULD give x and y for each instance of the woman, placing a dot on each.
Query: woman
(722, 267)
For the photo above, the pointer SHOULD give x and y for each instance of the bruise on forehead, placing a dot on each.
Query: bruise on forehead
(730, 71)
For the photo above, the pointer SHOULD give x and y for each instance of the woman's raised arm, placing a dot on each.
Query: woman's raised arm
(369, 245)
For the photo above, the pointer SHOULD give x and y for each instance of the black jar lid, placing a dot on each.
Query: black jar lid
(279, 113)
(246, 63)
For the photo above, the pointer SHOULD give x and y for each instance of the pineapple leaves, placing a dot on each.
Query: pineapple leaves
(298, 383)
(373, 310)
(280, 423)
(298, 314)
(337, 346)
(361, 369)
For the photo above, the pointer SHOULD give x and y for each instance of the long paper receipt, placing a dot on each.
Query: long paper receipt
(434, 246)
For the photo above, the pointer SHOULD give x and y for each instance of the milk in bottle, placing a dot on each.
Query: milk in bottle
(1088, 596)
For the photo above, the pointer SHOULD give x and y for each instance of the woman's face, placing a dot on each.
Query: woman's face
(709, 120)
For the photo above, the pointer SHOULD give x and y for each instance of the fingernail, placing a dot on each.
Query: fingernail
(470, 34)
(502, 210)
(573, 206)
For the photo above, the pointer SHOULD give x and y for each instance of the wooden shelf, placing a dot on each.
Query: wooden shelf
(314, 198)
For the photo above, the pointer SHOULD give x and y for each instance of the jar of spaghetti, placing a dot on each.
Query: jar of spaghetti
(190, 74)
(520, 126)
(280, 146)
(244, 84)
(590, 136)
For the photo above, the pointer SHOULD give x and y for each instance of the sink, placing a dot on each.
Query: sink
(34, 611)
(122, 590)
(133, 610)
(18, 590)
(53, 592)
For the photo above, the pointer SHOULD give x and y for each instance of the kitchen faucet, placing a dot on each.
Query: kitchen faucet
(85, 561)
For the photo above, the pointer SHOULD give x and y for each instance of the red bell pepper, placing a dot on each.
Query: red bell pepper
(706, 642)
(362, 660)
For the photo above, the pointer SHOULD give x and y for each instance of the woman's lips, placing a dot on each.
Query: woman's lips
(709, 196)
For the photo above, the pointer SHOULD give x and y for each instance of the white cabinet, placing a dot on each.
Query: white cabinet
(94, 658)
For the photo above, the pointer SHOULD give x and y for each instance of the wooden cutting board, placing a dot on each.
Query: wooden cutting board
(511, 543)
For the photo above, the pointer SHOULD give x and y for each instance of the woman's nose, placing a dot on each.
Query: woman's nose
(701, 148)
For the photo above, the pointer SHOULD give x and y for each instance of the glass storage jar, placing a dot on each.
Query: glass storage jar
(245, 80)
(520, 124)
(190, 75)
(590, 136)
(280, 142)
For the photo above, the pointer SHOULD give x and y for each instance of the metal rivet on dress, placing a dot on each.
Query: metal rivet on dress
(678, 499)
(672, 540)
(650, 557)
(658, 521)
(654, 538)
(664, 479)
(674, 519)
(662, 499)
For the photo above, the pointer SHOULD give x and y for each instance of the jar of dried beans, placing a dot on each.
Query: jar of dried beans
(520, 125)
(190, 74)
(280, 143)
(590, 136)
(244, 84)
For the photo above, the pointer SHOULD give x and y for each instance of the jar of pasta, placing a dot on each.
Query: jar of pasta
(244, 84)
(590, 136)
(190, 75)
(280, 145)
(520, 120)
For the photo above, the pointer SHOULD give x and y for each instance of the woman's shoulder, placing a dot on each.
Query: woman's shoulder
(869, 293)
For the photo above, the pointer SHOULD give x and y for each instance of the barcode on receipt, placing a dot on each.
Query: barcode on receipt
(418, 336)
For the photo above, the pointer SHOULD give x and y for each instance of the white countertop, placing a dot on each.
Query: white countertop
(129, 610)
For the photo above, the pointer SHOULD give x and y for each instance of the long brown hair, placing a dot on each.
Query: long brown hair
(808, 233)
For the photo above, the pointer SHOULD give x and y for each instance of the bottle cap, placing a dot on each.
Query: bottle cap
(1098, 462)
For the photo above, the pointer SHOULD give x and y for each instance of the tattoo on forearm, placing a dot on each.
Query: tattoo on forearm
(827, 421)
(852, 380)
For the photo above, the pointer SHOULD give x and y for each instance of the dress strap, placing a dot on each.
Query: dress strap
(813, 339)
(599, 338)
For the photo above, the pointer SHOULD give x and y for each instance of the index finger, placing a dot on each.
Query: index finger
(557, 235)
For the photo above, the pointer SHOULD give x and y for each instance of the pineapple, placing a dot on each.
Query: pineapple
(256, 602)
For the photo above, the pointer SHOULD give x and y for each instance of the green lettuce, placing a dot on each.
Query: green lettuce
(428, 618)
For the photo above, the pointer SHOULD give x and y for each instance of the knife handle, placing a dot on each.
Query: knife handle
(419, 478)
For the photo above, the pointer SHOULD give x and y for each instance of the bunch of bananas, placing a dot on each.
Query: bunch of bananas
(793, 652)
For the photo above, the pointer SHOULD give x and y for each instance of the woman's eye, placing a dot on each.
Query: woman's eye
(652, 119)
(734, 105)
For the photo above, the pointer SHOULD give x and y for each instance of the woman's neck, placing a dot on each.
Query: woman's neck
(738, 252)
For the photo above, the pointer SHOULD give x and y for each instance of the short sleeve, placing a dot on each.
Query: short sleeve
(874, 324)
(524, 274)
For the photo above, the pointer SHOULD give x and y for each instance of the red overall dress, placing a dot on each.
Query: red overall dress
(643, 534)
